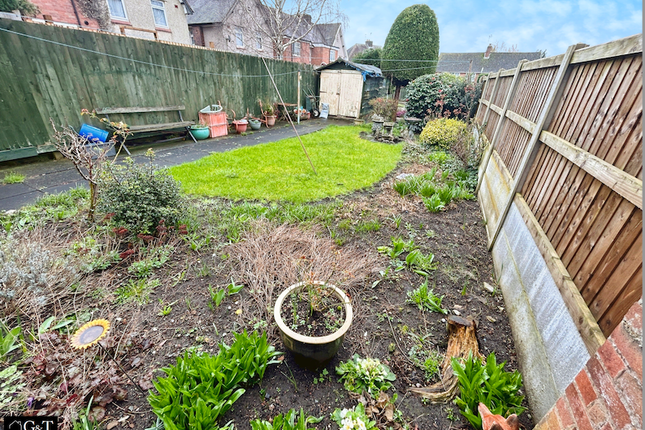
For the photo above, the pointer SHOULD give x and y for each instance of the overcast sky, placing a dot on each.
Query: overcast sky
(530, 25)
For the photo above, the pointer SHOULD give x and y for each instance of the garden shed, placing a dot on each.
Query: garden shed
(348, 87)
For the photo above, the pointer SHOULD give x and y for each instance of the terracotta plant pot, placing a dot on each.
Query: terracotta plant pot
(270, 120)
(240, 125)
(312, 352)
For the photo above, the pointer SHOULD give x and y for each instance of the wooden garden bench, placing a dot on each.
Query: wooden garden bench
(150, 128)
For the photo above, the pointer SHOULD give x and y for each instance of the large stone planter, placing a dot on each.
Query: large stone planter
(312, 352)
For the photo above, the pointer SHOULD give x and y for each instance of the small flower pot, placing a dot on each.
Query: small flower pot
(270, 119)
(200, 133)
(312, 352)
(240, 125)
(255, 124)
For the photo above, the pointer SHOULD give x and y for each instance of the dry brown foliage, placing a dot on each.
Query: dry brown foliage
(35, 274)
(269, 259)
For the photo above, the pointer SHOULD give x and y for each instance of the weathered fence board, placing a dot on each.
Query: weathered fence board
(584, 185)
(54, 72)
(566, 155)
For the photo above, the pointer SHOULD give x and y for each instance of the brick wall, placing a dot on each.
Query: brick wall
(319, 55)
(62, 11)
(198, 35)
(607, 393)
(304, 57)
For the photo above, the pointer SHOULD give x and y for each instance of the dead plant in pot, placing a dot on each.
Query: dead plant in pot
(313, 317)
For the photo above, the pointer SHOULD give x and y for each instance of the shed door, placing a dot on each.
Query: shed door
(343, 90)
(351, 90)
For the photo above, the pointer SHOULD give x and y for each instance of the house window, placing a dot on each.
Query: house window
(332, 55)
(296, 49)
(117, 9)
(159, 12)
(239, 37)
(258, 41)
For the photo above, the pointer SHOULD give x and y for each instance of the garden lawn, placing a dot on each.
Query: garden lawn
(280, 170)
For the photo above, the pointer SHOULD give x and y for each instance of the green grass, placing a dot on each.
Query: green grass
(280, 170)
(13, 178)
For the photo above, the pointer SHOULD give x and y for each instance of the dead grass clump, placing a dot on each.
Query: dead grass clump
(269, 259)
(35, 273)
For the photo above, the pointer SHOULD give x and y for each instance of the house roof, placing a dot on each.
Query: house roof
(328, 32)
(358, 48)
(474, 62)
(209, 11)
(365, 69)
(215, 11)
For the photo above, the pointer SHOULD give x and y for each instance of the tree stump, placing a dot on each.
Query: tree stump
(462, 342)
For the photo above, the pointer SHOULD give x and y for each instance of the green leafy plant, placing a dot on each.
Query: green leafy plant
(136, 290)
(423, 262)
(434, 204)
(353, 419)
(398, 247)
(11, 383)
(154, 258)
(414, 35)
(289, 421)
(425, 298)
(85, 420)
(443, 132)
(218, 296)
(432, 365)
(488, 383)
(24, 6)
(62, 325)
(365, 374)
(442, 95)
(140, 195)
(367, 226)
(385, 108)
(13, 178)
(370, 56)
(200, 388)
(8, 340)
(166, 309)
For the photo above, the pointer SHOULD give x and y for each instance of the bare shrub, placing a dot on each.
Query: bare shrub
(270, 259)
(35, 273)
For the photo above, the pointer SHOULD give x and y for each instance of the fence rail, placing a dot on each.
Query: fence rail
(565, 132)
(54, 72)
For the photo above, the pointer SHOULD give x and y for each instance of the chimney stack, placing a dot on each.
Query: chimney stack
(368, 43)
(488, 51)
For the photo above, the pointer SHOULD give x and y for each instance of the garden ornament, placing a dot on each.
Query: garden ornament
(497, 422)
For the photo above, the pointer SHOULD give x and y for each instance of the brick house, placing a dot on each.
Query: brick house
(225, 25)
(147, 19)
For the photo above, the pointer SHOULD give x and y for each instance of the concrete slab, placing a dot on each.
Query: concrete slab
(54, 176)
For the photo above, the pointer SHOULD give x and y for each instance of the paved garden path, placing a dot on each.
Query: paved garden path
(55, 176)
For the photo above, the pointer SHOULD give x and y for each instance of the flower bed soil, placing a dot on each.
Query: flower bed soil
(385, 326)
(313, 311)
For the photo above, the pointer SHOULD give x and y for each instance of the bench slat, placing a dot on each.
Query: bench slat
(111, 110)
(157, 127)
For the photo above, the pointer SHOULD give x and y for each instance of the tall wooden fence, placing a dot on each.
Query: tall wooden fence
(565, 153)
(54, 72)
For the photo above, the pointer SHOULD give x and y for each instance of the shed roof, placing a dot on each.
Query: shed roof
(474, 62)
(365, 69)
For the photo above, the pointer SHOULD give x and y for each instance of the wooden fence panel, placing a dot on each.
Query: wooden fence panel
(584, 185)
(54, 72)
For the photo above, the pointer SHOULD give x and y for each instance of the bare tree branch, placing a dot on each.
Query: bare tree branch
(286, 22)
